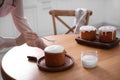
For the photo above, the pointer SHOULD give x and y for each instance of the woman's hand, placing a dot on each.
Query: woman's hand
(26, 37)
(40, 44)
(31, 39)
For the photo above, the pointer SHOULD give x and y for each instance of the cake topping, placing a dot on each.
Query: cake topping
(54, 49)
(107, 28)
(87, 28)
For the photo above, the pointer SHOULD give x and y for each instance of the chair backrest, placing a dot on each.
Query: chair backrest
(57, 13)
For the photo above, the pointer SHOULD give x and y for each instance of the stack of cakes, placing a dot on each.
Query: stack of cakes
(88, 32)
(106, 33)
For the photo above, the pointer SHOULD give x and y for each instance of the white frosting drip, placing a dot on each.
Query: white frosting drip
(87, 28)
(107, 29)
(54, 49)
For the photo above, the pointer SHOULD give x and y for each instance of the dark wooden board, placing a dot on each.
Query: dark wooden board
(69, 62)
(97, 43)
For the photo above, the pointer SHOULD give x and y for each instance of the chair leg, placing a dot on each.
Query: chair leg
(54, 25)
(70, 30)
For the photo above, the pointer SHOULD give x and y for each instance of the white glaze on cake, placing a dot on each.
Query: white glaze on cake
(105, 29)
(54, 49)
(87, 28)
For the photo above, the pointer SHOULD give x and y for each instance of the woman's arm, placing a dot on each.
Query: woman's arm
(23, 26)
(18, 17)
(7, 42)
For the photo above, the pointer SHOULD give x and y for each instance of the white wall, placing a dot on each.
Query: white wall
(95, 5)
(7, 28)
(113, 12)
(37, 12)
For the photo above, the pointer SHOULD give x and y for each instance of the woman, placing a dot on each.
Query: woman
(15, 7)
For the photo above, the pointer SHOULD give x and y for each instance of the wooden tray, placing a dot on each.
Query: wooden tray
(69, 62)
(97, 43)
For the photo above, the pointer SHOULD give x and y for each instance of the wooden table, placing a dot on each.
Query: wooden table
(15, 64)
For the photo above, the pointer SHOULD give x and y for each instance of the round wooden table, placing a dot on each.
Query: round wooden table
(15, 64)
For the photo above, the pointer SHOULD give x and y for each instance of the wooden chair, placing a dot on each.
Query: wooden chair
(57, 13)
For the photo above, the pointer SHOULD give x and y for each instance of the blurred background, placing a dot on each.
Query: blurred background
(37, 12)
(105, 12)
